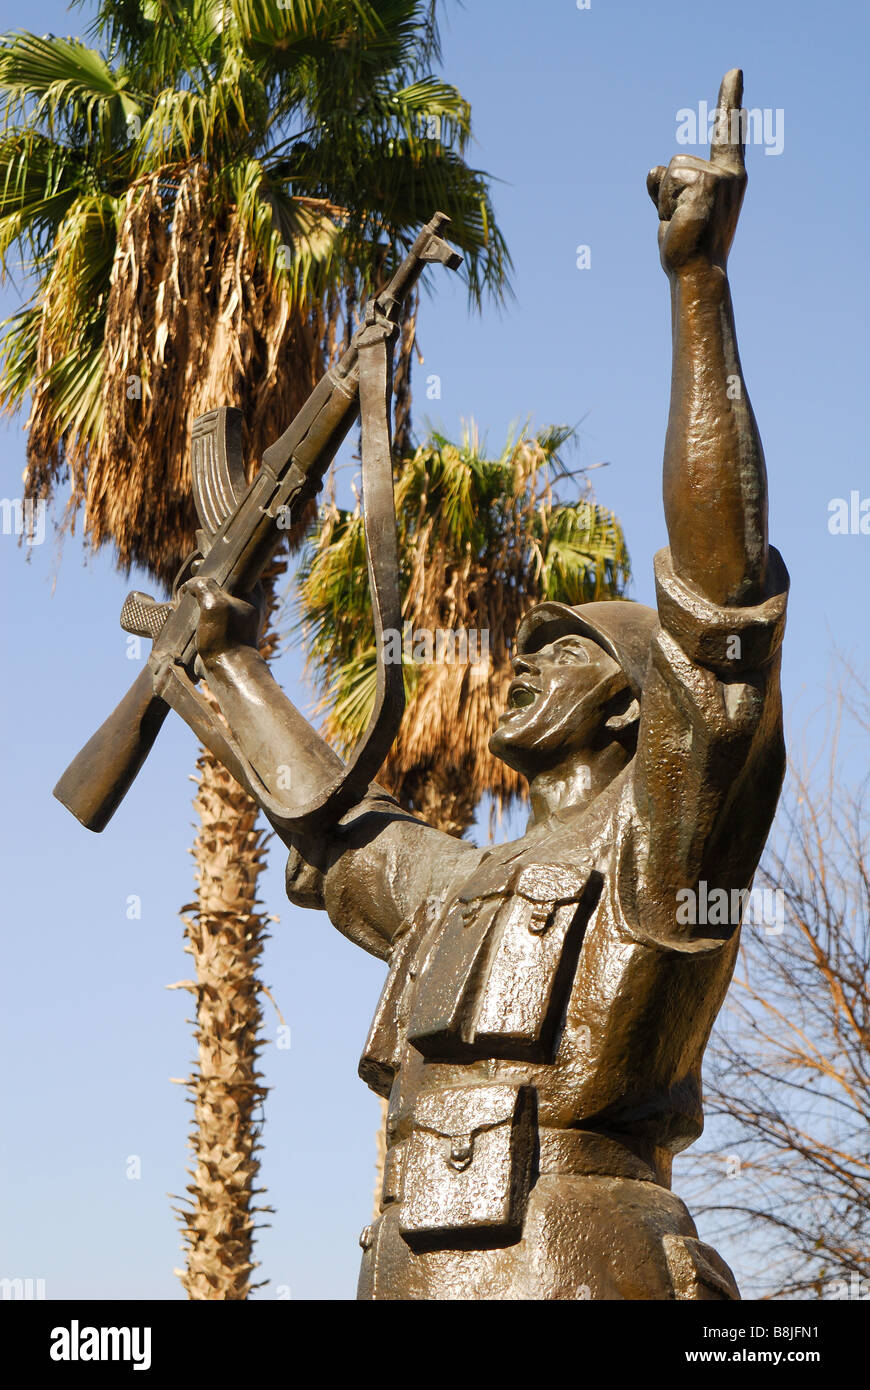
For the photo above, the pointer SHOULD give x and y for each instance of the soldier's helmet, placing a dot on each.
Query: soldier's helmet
(623, 628)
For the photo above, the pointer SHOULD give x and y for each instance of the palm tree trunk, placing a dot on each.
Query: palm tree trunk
(225, 933)
(380, 1158)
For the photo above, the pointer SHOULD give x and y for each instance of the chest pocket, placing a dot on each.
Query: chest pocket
(497, 982)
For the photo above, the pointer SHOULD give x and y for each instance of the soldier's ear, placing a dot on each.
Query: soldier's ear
(618, 723)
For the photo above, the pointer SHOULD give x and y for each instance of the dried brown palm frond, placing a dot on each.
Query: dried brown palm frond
(195, 319)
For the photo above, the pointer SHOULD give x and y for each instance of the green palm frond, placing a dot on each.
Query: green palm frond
(299, 239)
(302, 24)
(422, 112)
(350, 697)
(75, 381)
(64, 83)
(20, 336)
(82, 260)
(584, 554)
(39, 181)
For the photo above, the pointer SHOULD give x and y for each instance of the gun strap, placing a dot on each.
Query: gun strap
(382, 556)
(379, 518)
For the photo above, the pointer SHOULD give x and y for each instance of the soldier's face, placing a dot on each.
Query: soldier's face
(556, 703)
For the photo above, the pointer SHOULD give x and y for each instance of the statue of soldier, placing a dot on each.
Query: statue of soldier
(540, 1033)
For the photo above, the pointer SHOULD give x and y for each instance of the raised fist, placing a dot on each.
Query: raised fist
(699, 200)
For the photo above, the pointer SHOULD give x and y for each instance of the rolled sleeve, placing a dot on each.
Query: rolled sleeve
(723, 639)
(710, 756)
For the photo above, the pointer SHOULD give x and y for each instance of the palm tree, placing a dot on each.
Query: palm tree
(480, 541)
(200, 204)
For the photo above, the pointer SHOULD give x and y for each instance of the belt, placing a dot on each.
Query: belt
(574, 1152)
(579, 1152)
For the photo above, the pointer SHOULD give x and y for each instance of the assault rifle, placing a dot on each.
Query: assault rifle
(241, 527)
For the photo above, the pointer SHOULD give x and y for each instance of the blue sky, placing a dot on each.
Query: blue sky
(571, 107)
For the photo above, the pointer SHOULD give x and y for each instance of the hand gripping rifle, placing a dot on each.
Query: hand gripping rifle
(241, 527)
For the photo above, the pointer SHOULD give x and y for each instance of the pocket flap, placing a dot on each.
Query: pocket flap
(495, 885)
(465, 1110)
(552, 884)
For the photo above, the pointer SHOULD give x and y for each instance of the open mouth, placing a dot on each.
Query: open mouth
(521, 694)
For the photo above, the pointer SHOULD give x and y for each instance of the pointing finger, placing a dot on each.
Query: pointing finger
(725, 151)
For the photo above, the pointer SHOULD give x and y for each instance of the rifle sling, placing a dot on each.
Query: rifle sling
(379, 519)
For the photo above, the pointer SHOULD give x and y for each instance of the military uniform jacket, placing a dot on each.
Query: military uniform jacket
(560, 966)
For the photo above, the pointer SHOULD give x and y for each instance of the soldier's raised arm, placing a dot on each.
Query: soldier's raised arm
(715, 488)
(710, 755)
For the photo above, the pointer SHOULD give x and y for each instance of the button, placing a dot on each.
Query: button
(539, 920)
(461, 1152)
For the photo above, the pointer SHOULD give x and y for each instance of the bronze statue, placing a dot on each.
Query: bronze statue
(540, 1033)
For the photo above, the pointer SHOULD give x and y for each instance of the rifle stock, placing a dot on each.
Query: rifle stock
(99, 777)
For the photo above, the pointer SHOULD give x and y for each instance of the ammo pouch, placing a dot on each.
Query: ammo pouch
(467, 1166)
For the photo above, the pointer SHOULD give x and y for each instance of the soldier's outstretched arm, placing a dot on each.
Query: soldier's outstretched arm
(372, 871)
(715, 488)
(275, 738)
